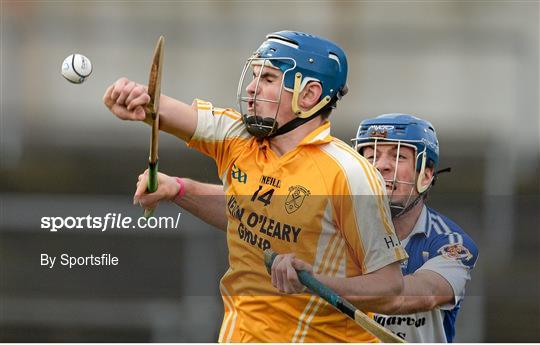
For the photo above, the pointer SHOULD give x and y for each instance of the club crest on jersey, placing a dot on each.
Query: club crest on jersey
(237, 174)
(455, 251)
(296, 197)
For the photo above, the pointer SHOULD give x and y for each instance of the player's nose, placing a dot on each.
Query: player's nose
(383, 164)
(252, 88)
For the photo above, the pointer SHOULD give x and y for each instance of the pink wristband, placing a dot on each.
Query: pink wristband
(181, 190)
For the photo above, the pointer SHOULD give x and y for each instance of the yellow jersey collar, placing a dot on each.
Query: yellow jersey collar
(321, 135)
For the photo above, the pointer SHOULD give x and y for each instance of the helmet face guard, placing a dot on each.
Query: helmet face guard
(398, 208)
(402, 130)
(257, 124)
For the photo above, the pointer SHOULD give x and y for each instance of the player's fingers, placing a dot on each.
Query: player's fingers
(138, 193)
(141, 188)
(144, 174)
(141, 100)
(124, 93)
(167, 187)
(293, 284)
(283, 274)
(300, 265)
(279, 281)
(121, 112)
(273, 278)
(136, 92)
(276, 274)
(139, 113)
(118, 87)
(151, 200)
(291, 274)
(273, 272)
(107, 97)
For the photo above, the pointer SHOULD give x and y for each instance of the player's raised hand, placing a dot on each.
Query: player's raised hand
(127, 100)
(167, 190)
(284, 276)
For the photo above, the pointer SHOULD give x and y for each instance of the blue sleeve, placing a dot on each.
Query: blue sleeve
(454, 244)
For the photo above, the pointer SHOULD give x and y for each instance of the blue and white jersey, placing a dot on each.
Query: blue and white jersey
(437, 244)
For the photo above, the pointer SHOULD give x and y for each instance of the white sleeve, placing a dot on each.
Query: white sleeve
(220, 134)
(217, 124)
(454, 271)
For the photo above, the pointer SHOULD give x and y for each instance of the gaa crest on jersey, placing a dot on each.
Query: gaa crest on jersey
(239, 175)
(455, 251)
(296, 197)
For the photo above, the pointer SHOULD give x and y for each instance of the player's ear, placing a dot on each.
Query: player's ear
(310, 95)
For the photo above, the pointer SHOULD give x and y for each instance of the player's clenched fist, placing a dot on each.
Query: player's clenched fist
(127, 100)
(284, 276)
(168, 188)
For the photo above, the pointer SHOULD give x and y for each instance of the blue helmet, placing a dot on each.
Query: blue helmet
(301, 58)
(316, 58)
(404, 128)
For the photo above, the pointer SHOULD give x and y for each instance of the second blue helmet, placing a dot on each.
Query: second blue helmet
(402, 128)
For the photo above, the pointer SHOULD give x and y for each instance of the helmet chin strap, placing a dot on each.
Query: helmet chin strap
(289, 126)
(268, 127)
(261, 127)
(398, 210)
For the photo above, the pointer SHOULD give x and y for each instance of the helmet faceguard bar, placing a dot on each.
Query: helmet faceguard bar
(260, 125)
(400, 208)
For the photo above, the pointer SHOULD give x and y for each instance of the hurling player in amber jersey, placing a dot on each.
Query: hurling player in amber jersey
(405, 149)
(290, 187)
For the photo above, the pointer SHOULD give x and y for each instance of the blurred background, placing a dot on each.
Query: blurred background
(470, 67)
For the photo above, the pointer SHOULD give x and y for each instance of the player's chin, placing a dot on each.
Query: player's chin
(397, 198)
(259, 112)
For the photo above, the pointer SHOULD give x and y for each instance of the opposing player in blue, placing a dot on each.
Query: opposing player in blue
(405, 150)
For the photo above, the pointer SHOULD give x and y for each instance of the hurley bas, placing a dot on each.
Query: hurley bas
(104, 259)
